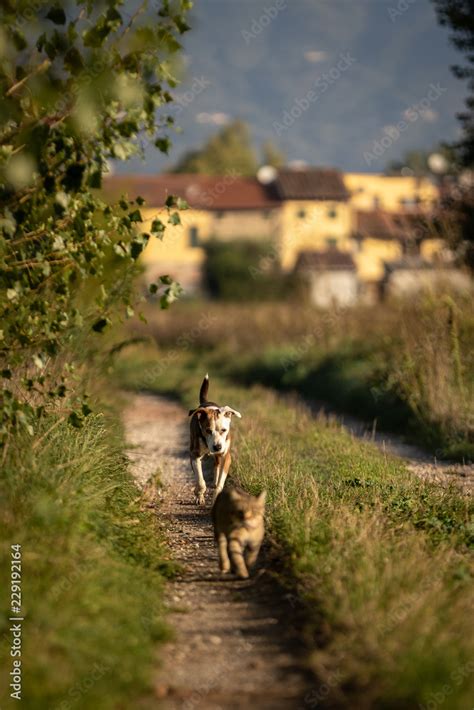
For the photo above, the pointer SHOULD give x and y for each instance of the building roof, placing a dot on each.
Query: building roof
(208, 192)
(329, 260)
(410, 263)
(310, 184)
(389, 225)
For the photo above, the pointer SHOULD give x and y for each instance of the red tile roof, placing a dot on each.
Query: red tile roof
(330, 260)
(208, 192)
(311, 184)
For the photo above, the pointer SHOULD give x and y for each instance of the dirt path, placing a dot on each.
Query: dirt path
(235, 643)
(418, 461)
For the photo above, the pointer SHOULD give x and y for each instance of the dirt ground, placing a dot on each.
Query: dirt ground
(236, 642)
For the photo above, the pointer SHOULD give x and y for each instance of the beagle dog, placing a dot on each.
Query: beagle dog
(210, 436)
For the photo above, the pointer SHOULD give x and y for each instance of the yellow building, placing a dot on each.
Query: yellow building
(315, 213)
(225, 207)
(391, 193)
(373, 218)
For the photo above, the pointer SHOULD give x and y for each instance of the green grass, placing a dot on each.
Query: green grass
(93, 570)
(380, 559)
(356, 381)
(409, 365)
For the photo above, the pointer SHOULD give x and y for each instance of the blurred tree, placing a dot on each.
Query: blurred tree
(81, 83)
(416, 162)
(459, 16)
(458, 202)
(228, 151)
(272, 155)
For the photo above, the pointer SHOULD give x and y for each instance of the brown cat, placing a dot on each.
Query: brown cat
(238, 529)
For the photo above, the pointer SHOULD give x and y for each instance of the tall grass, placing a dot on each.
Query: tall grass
(408, 365)
(379, 557)
(93, 569)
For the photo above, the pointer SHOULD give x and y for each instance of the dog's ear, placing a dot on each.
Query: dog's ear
(198, 412)
(228, 412)
(262, 498)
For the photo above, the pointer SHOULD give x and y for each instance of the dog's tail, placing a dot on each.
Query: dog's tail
(204, 391)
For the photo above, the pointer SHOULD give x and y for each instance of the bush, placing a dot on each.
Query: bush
(244, 270)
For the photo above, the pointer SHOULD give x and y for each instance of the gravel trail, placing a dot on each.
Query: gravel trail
(235, 642)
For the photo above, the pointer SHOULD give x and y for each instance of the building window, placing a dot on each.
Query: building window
(331, 242)
(266, 214)
(193, 237)
(220, 214)
(301, 214)
(332, 213)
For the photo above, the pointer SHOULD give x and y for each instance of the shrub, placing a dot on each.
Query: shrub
(244, 270)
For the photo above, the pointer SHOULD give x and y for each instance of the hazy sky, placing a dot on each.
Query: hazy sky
(331, 82)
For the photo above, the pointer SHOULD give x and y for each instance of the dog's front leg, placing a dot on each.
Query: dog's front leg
(200, 488)
(217, 468)
(222, 474)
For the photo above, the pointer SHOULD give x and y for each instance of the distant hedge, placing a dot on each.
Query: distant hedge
(243, 270)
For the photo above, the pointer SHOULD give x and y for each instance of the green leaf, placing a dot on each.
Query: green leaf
(19, 40)
(75, 420)
(73, 61)
(86, 410)
(174, 218)
(95, 179)
(163, 144)
(57, 15)
(181, 24)
(136, 248)
(135, 216)
(100, 325)
(157, 228)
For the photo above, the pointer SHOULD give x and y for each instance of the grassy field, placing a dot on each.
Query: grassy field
(409, 366)
(380, 558)
(93, 569)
